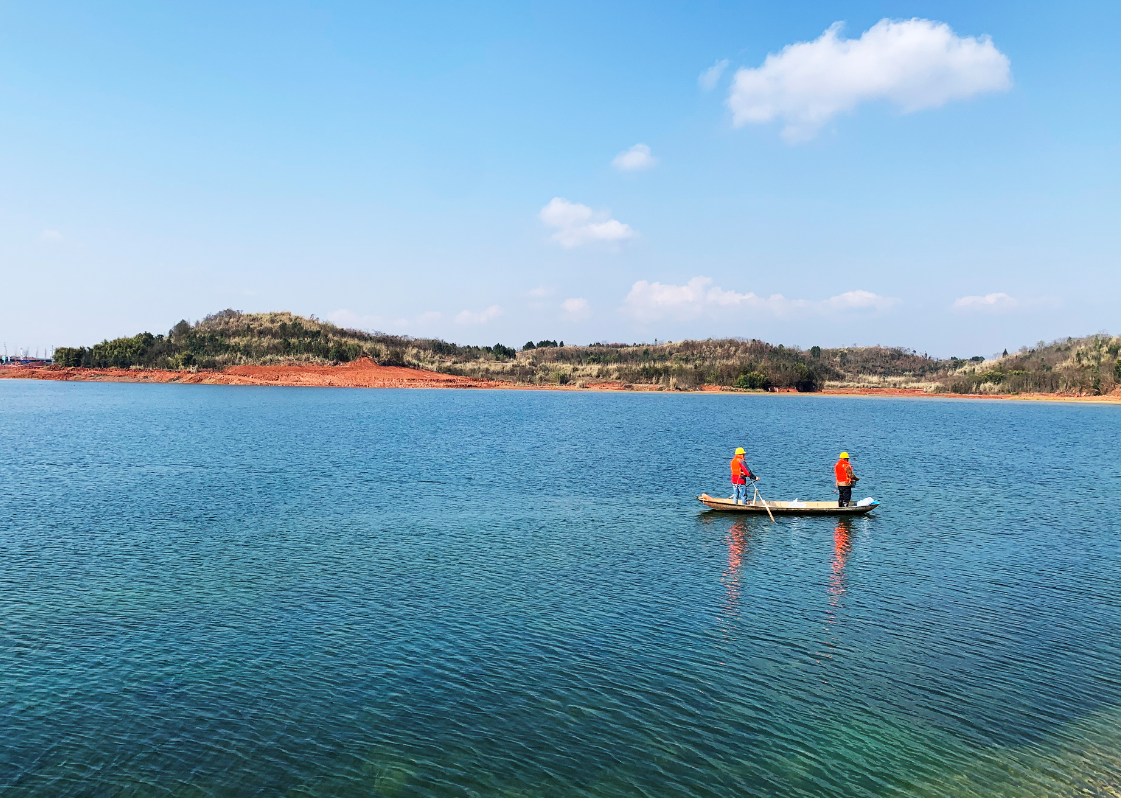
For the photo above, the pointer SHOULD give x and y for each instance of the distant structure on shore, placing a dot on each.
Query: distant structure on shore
(24, 359)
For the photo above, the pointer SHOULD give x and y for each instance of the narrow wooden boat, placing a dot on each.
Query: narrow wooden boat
(784, 508)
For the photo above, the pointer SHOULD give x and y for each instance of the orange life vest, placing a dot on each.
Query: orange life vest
(739, 469)
(843, 472)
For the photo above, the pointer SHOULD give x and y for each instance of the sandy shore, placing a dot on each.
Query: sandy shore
(367, 374)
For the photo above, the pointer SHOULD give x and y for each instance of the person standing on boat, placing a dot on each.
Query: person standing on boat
(740, 474)
(842, 471)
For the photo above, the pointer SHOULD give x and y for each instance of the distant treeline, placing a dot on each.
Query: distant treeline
(1087, 366)
(229, 338)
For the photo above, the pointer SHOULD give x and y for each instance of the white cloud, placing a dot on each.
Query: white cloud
(358, 321)
(354, 321)
(50, 235)
(989, 303)
(540, 293)
(914, 63)
(576, 308)
(708, 79)
(478, 317)
(429, 317)
(578, 224)
(860, 300)
(1002, 303)
(650, 301)
(635, 159)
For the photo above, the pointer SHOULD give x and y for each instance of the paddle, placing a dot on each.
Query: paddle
(755, 484)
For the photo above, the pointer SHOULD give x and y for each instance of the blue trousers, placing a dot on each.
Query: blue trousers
(739, 492)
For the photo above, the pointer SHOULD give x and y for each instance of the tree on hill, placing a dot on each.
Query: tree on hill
(230, 338)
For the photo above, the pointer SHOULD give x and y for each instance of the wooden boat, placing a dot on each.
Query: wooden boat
(784, 508)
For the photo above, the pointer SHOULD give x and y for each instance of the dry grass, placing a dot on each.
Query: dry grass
(1084, 365)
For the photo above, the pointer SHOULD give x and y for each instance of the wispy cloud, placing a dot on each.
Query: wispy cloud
(860, 300)
(352, 320)
(635, 159)
(708, 79)
(364, 321)
(914, 64)
(1001, 303)
(540, 292)
(576, 308)
(651, 301)
(50, 235)
(478, 316)
(578, 224)
(989, 303)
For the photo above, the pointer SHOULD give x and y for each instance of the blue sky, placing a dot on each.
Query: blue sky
(439, 169)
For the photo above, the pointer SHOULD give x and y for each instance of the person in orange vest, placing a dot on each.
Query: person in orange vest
(740, 474)
(842, 471)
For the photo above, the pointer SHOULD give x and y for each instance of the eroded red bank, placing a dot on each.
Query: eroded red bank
(359, 374)
(365, 373)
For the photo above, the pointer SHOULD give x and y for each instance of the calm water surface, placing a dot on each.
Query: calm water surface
(322, 592)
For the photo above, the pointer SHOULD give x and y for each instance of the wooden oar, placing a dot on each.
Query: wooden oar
(765, 507)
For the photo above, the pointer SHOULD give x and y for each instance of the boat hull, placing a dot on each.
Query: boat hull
(783, 508)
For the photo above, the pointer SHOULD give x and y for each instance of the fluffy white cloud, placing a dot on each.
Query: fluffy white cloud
(914, 63)
(989, 303)
(354, 321)
(635, 159)
(708, 79)
(578, 224)
(860, 300)
(50, 235)
(358, 321)
(576, 308)
(650, 301)
(540, 293)
(478, 317)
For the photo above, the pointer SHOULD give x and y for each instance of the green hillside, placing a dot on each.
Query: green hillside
(229, 338)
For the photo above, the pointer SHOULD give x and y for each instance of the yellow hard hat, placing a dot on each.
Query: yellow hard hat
(845, 455)
(740, 451)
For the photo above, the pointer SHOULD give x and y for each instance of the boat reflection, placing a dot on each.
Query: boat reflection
(842, 547)
(737, 539)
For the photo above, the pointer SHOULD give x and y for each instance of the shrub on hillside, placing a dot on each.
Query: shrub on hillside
(753, 381)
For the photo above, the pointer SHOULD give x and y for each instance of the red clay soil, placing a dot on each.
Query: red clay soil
(362, 373)
(365, 373)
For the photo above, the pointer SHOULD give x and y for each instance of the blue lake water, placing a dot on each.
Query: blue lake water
(229, 591)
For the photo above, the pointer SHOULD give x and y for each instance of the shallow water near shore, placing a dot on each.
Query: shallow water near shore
(235, 590)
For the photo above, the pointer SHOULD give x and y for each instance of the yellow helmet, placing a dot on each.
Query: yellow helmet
(845, 455)
(740, 451)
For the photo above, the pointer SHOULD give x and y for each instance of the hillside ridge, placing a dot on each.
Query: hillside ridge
(229, 338)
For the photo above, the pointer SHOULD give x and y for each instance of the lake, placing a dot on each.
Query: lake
(222, 591)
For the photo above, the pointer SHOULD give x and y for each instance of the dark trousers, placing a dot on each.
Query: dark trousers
(846, 495)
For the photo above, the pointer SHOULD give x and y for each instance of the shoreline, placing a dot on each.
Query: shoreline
(367, 374)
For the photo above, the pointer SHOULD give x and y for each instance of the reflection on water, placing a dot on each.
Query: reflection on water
(842, 547)
(737, 539)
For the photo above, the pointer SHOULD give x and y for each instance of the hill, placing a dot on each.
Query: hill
(230, 338)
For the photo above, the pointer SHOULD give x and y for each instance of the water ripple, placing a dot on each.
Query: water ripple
(227, 591)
